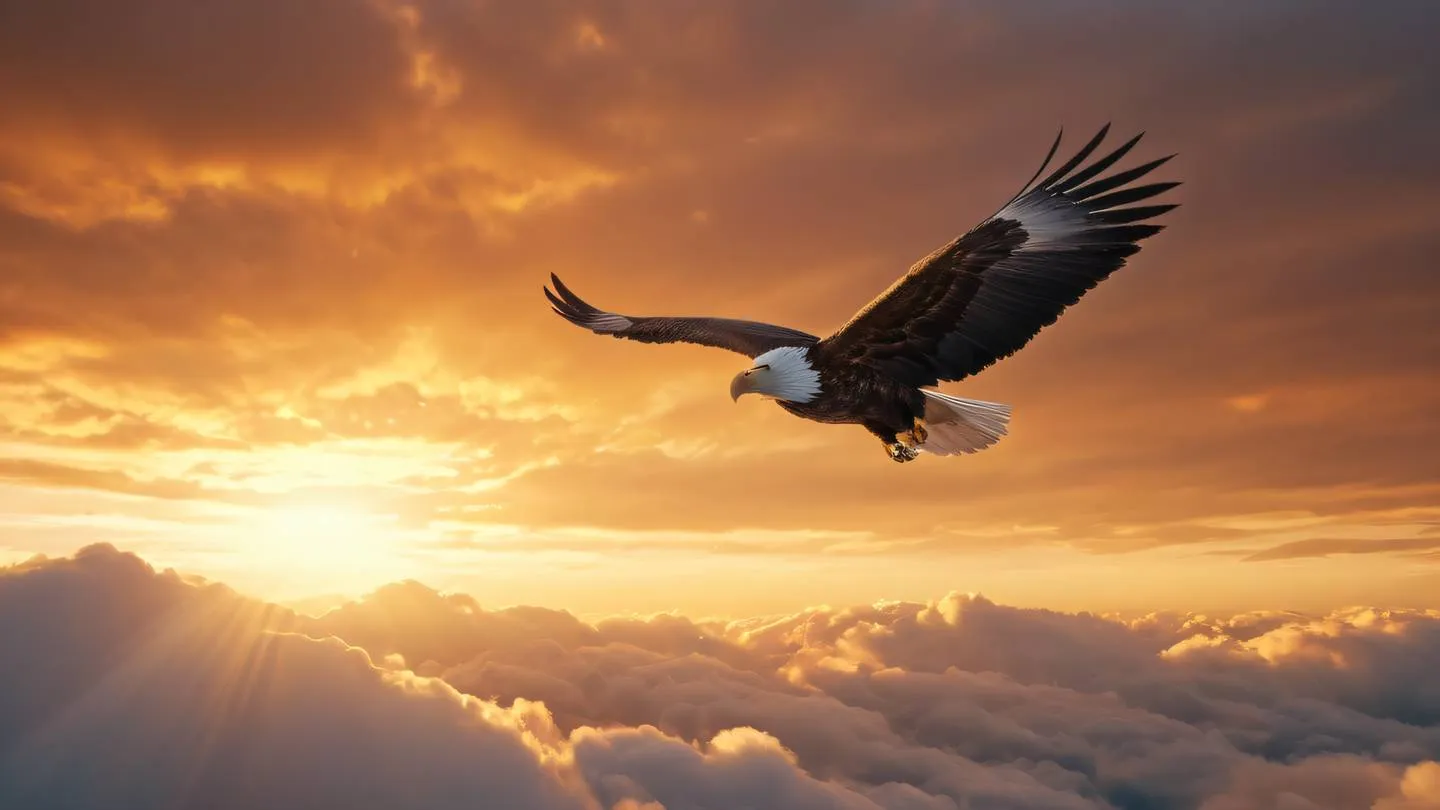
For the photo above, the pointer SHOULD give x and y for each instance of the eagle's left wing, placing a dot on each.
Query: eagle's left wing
(982, 297)
(750, 338)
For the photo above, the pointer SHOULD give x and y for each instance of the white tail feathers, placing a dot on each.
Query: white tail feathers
(958, 425)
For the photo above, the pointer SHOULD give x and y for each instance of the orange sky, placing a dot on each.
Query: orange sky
(270, 298)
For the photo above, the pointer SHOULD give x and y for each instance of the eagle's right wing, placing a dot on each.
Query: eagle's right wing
(750, 338)
(985, 295)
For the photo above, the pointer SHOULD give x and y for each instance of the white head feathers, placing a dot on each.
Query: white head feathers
(789, 375)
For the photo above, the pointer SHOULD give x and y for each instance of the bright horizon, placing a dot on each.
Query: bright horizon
(1136, 585)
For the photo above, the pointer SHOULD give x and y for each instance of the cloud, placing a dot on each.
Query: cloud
(164, 688)
(1325, 546)
(1163, 712)
(50, 474)
(84, 58)
(1322, 782)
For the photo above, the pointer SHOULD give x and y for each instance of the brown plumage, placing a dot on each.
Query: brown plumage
(975, 301)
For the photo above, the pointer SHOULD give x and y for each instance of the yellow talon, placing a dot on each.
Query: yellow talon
(901, 452)
(919, 433)
(915, 436)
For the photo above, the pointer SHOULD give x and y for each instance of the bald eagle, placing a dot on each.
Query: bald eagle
(972, 302)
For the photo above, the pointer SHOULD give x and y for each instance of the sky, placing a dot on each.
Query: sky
(271, 310)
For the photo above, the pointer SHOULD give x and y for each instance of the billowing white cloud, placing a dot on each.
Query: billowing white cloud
(166, 692)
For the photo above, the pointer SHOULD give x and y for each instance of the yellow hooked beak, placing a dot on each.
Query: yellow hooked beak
(744, 383)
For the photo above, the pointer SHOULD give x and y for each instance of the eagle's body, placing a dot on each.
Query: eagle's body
(851, 394)
(976, 300)
(856, 395)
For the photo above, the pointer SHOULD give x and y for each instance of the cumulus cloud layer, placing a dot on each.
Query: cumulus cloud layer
(167, 691)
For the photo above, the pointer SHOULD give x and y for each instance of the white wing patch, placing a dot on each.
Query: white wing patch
(609, 322)
(1049, 221)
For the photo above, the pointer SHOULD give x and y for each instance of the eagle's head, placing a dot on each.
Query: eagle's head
(784, 373)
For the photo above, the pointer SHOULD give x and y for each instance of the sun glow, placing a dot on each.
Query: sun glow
(325, 547)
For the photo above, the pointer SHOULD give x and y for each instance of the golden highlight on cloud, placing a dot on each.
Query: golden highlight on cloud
(165, 690)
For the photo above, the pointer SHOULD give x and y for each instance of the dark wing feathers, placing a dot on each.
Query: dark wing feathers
(974, 301)
(982, 297)
(749, 338)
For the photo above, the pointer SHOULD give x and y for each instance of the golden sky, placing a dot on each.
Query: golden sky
(270, 301)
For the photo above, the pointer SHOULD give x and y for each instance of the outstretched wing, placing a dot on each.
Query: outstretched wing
(982, 297)
(750, 338)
